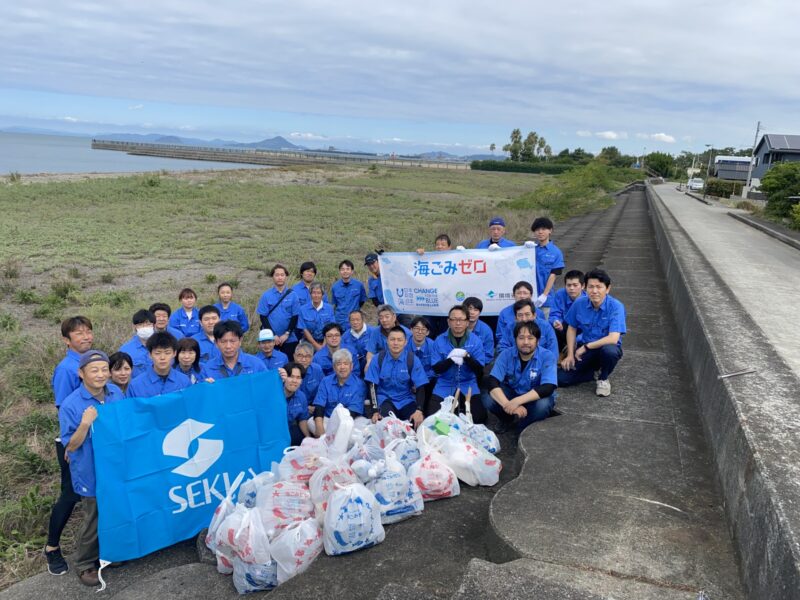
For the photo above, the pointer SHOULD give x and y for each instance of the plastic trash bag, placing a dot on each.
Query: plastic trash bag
(222, 512)
(406, 450)
(323, 482)
(291, 501)
(224, 541)
(471, 463)
(249, 489)
(252, 543)
(224, 565)
(254, 577)
(366, 470)
(396, 494)
(369, 449)
(484, 437)
(352, 521)
(295, 548)
(299, 462)
(337, 433)
(391, 428)
(434, 478)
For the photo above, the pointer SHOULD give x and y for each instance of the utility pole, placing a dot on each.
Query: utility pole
(746, 188)
(708, 168)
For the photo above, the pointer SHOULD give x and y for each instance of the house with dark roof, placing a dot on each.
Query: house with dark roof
(773, 149)
(731, 168)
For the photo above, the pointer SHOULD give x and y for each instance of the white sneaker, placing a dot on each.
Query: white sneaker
(603, 387)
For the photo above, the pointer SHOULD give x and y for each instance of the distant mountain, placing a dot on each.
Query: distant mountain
(472, 157)
(39, 131)
(276, 143)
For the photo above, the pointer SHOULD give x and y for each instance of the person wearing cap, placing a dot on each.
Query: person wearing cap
(279, 308)
(272, 358)
(549, 262)
(308, 275)
(232, 360)
(332, 333)
(162, 377)
(397, 379)
(375, 288)
(143, 327)
(355, 339)
(387, 320)
(497, 229)
(162, 312)
(78, 336)
(77, 413)
(314, 315)
(228, 309)
(209, 316)
(347, 294)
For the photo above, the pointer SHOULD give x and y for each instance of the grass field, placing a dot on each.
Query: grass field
(104, 247)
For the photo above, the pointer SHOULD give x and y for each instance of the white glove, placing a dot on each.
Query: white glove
(460, 248)
(457, 360)
(539, 302)
(493, 247)
(460, 352)
(530, 244)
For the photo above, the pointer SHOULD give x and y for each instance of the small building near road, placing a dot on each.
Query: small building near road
(731, 168)
(773, 149)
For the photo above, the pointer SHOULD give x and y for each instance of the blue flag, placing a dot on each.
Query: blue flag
(163, 464)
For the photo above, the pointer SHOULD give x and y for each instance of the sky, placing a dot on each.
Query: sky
(449, 75)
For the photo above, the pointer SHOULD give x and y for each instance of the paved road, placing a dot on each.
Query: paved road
(763, 273)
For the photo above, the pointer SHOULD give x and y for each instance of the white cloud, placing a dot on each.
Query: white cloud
(306, 136)
(663, 137)
(612, 135)
(70, 119)
(136, 107)
(583, 133)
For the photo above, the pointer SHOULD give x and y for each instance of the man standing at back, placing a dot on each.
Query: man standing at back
(79, 337)
(497, 229)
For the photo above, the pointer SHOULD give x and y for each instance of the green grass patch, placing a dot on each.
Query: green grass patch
(27, 297)
(8, 322)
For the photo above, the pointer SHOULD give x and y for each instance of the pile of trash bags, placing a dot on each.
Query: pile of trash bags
(337, 492)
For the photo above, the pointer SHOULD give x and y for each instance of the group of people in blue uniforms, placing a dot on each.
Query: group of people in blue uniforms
(327, 355)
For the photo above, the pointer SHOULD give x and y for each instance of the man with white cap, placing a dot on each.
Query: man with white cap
(273, 359)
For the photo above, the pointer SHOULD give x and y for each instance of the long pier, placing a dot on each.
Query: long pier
(275, 158)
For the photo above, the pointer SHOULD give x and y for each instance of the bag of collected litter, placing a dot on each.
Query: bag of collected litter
(396, 494)
(338, 432)
(391, 428)
(471, 463)
(224, 541)
(252, 543)
(440, 422)
(299, 462)
(369, 449)
(406, 450)
(249, 577)
(483, 437)
(296, 547)
(366, 470)
(222, 512)
(290, 501)
(352, 521)
(433, 477)
(249, 489)
(324, 480)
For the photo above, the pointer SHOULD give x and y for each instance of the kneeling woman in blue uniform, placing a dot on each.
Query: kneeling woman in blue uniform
(523, 381)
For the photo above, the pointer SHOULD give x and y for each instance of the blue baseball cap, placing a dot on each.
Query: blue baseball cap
(497, 221)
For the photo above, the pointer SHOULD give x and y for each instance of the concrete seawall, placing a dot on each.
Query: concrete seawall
(250, 156)
(751, 422)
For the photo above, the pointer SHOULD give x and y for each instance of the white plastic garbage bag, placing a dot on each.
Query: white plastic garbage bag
(249, 489)
(323, 482)
(224, 541)
(433, 477)
(291, 501)
(295, 548)
(222, 512)
(471, 463)
(391, 428)
(366, 470)
(484, 437)
(406, 450)
(352, 521)
(252, 543)
(338, 431)
(396, 494)
(369, 449)
(299, 462)
(249, 577)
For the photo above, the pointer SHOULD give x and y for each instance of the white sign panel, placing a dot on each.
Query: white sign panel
(432, 283)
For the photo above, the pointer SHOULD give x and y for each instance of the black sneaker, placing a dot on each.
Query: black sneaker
(56, 565)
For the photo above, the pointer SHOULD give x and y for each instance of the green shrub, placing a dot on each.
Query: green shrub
(51, 309)
(779, 183)
(722, 188)
(211, 278)
(63, 289)
(114, 299)
(8, 322)
(11, 268)
(28, 297)
(107, 278)
(15, 177)
(795, 220)
(519, 167)
(33, 385)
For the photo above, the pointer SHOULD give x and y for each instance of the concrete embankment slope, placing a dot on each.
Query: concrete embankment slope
(752, 422)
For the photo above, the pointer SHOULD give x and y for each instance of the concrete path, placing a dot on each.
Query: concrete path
(763, 273)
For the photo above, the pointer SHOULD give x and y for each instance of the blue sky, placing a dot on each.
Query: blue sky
(447, 75)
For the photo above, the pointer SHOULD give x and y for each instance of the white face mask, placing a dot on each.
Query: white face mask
(144, 333)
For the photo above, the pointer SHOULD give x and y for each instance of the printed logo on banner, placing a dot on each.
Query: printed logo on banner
(177, 443)
(490, 293)
(460, 296)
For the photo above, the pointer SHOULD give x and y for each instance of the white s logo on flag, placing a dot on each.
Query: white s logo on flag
(177, 442)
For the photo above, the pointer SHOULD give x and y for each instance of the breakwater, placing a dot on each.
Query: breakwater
(277, 158)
